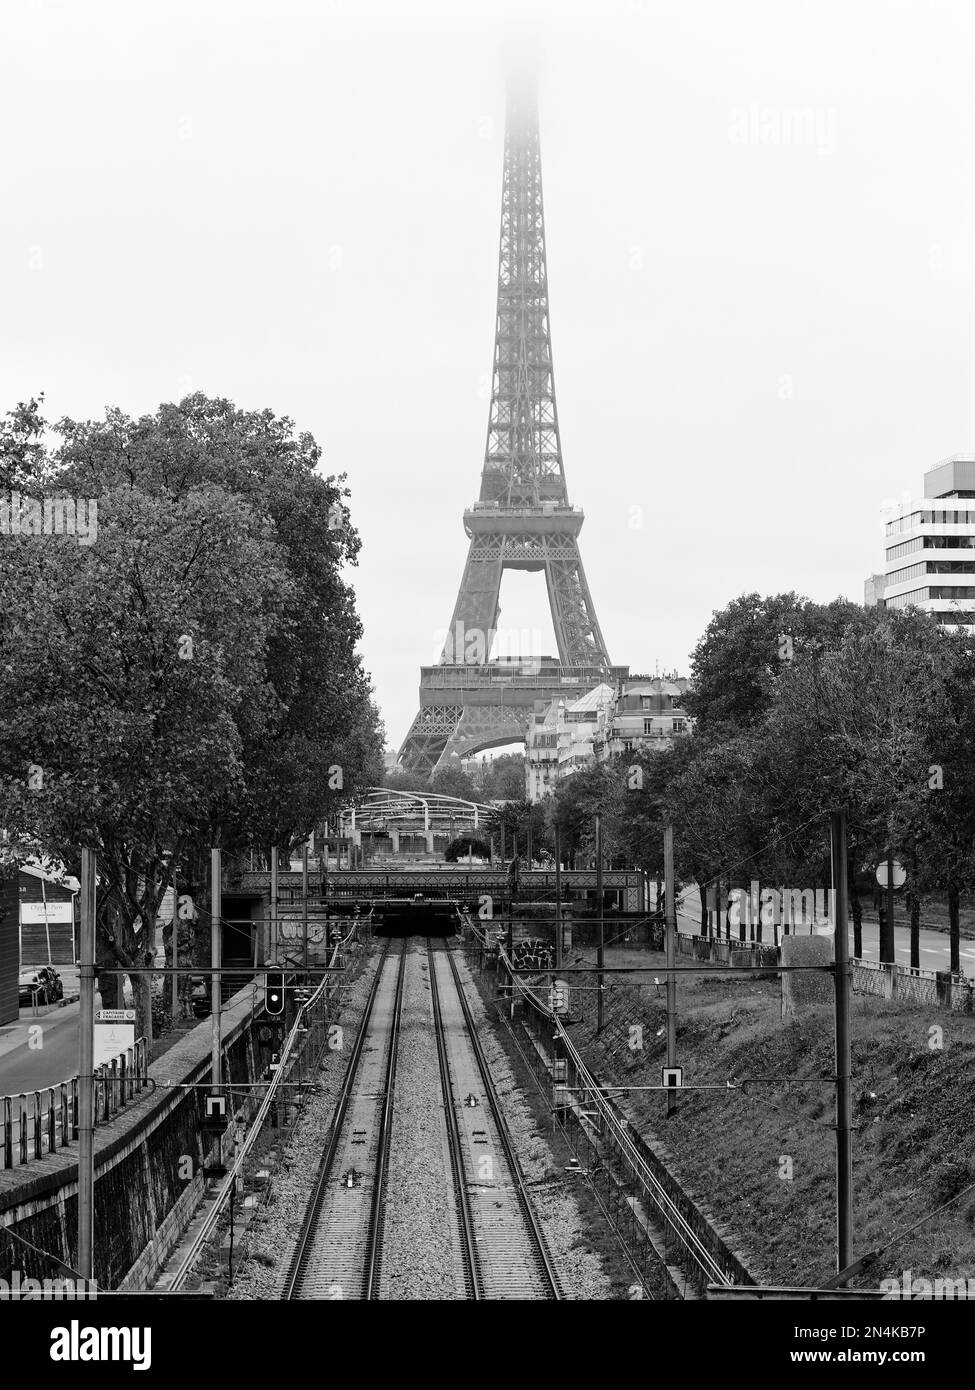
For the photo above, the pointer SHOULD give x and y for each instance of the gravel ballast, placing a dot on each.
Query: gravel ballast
(580, 1269)
(421, 1258)
(421, 1254)
(273, 1233)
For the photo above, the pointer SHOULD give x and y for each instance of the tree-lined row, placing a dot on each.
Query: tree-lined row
(190, 679)
(801, 708)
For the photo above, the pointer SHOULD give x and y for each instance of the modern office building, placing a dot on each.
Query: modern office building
(930, 548)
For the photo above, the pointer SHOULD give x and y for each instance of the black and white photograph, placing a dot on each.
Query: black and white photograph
(487, 680)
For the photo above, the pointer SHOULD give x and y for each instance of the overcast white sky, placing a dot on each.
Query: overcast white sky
(757, 340)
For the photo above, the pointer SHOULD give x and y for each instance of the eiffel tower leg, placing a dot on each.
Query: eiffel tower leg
(475, 616)
(426, 743)
(577, 628)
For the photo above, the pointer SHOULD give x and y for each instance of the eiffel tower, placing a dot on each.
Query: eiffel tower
(523, 518)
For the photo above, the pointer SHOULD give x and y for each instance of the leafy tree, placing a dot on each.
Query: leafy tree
(503, 778)
(748, 647)
(452, 780)
(191, 678)
(462, 845)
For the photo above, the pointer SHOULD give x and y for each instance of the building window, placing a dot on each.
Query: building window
(678, 726)
(952, 591)
(648, 726)
(907, 600)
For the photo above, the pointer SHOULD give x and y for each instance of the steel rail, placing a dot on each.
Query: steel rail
(531, 1221)
(462, 1195)
(370, 1287)
(229, 1183)
(310, 1219)
(590, 1089)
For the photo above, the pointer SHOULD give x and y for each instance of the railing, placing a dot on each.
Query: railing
(36, 1123)
(309, 1036)
(939, 988)
(456, 677)
(613, 1149)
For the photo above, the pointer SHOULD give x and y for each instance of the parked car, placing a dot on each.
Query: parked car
(200, 996)
(39, 985)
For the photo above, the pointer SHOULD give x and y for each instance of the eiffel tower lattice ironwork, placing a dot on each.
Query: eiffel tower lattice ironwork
(523, 518)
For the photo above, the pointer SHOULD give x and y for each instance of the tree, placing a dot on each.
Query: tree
(503, 778)
(191, 678)
(452, 780)
(463, 845)
(748, 647)
(857, 727)
(132, 674)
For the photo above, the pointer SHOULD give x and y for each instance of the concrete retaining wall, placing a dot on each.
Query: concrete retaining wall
(143, 1192)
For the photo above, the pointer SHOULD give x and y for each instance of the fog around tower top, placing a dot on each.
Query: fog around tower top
(759, 234)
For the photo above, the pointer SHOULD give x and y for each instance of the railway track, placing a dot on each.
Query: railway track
(507, 1251)
(499, 1249)
(338, 1254)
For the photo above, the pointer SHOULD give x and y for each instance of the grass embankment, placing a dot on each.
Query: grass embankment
(913, 1147)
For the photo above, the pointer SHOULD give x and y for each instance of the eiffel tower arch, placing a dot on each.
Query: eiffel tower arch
(523, 518)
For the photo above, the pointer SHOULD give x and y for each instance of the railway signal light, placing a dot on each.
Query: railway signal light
(274, 994)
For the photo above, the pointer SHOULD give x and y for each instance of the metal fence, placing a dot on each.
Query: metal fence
(923, 988)
(927, 988)
(612, 1150)
(36, 1123)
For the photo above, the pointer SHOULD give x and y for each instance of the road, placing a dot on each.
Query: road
(26, 1068)
(934, 954)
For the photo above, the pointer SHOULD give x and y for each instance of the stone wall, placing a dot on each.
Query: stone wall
(148, 1162)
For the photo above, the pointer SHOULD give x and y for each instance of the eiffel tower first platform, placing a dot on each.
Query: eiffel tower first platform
(523, 518)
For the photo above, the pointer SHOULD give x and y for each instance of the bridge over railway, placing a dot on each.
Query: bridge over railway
(304, 903)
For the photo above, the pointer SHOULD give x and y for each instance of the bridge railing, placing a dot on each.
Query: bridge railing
(36, 1123)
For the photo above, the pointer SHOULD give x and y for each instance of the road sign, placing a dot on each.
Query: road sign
(113, 1037)
(671, 1076)
(115, 1015)
(899, 874)
(215, 1107)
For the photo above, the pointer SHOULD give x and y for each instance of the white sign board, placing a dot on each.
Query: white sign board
(31, 913)
(115, 1015)
(899, 874)
(112, 1039)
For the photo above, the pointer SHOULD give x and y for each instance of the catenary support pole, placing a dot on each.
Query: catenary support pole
(216, 1069)
(273, 952)
(601, 948)
(304, 903)
(86, 1070)
(175, 951)
(887, 950)
(558, 900)
(842, 982)
(670, 927)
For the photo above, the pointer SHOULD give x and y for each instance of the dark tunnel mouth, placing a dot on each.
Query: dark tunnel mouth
(418, 919)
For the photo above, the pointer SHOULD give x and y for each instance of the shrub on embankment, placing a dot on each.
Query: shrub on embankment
(763, 1158)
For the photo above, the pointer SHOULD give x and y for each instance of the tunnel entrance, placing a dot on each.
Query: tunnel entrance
(416, 917)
